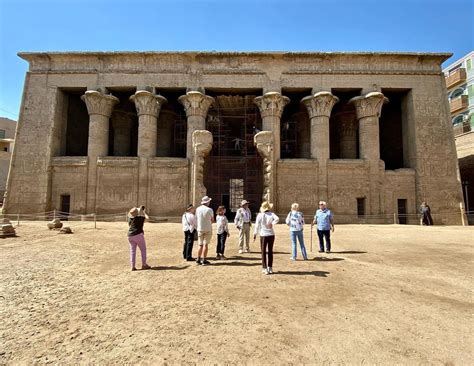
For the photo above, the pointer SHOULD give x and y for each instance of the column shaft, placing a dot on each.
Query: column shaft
(148, 108)
(100, 108)
(268, 143)
(319, 108)
(368, 109)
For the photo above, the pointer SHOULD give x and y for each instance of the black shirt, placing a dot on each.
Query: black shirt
(135, 225)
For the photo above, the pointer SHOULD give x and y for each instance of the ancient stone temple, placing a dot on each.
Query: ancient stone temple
(368, 132)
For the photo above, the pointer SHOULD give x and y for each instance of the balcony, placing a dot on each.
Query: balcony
(458, 103)
(456, 77)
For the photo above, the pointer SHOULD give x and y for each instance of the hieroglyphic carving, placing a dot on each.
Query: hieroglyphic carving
(196, 103)
(202, 145)
(99, 103)
(320, 104)
(271, 104)
(148, 103)
(369, 105)
(264, 143)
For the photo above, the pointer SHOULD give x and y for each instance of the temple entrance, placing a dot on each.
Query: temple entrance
(233, 169)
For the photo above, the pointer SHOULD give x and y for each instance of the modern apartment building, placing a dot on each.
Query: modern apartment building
(460, 85)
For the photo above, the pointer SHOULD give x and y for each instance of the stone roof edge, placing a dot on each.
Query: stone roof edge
(28, 56)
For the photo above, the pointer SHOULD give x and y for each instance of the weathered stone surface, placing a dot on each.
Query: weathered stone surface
(65, 230)
(55, 224)
(40, 175)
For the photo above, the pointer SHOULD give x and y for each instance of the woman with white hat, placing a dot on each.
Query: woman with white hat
(136, 237)
(264, 223)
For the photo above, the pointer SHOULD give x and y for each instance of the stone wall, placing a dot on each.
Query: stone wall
(428, 146)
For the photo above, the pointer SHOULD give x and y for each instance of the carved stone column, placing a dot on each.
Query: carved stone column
(202, 145)
(319, 108)
(122, 125)
(264, 143)
(99, 107)
(148, 108)
(271, 106)
(368, 109)
(196, 105)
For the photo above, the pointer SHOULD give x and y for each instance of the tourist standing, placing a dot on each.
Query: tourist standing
(222, 232)
(264, 223)
(242, 222)
(189, 227)
(325, 224)
(204, 218)
(295, 220)
(136, 236)
(425, 211)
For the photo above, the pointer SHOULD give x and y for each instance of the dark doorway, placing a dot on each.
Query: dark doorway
(402, 211)
(233, 169)
(361, 207)
(65, 206)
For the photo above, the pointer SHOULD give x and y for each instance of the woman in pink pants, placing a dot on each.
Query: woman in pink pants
(136, 237)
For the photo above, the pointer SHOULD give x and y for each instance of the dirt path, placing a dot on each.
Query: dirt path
(386, 295)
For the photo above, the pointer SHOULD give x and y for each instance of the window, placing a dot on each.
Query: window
(468, 64)
(5, 149)
(458, 119)
(2, 134)
(458, 92)
(361, 206)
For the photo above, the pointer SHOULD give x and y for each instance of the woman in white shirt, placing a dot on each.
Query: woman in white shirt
(264, 228)
(222, 232)
(295, 220)
(189, 228)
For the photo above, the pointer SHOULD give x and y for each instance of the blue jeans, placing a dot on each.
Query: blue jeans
(299, 235)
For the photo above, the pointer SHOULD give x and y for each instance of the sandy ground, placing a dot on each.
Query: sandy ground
(386, 295)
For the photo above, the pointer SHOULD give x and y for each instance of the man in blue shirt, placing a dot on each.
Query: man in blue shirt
(324, 220)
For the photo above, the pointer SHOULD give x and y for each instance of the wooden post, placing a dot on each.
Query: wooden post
(18, 219)
(54, 214)
(394, 218)
(95, 221)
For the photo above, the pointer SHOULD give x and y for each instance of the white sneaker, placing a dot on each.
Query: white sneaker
(240, 251)
(264, 271)
(270, 270)
(247, 250)
(292, 258)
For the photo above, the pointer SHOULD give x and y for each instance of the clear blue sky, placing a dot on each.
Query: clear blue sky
(277, 25)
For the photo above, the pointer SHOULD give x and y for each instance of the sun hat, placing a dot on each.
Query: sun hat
(205, 200)
(190, 206)
(244, 202)
(266, 206)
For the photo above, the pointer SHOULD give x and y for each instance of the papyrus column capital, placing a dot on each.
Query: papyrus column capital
(99, 103)
(196, 103)
(369, 105)
(271, 104)
(147, 103)
(320, 104)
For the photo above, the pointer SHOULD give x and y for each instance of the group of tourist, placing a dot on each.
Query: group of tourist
(197, 226)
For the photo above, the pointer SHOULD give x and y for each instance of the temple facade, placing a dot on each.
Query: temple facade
(370, 133)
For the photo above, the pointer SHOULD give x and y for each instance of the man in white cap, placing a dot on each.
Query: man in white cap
(242, 223)
(204, 218)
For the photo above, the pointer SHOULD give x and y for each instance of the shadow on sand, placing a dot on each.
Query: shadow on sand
(303, 273)
(168, 268)
(326, 259)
